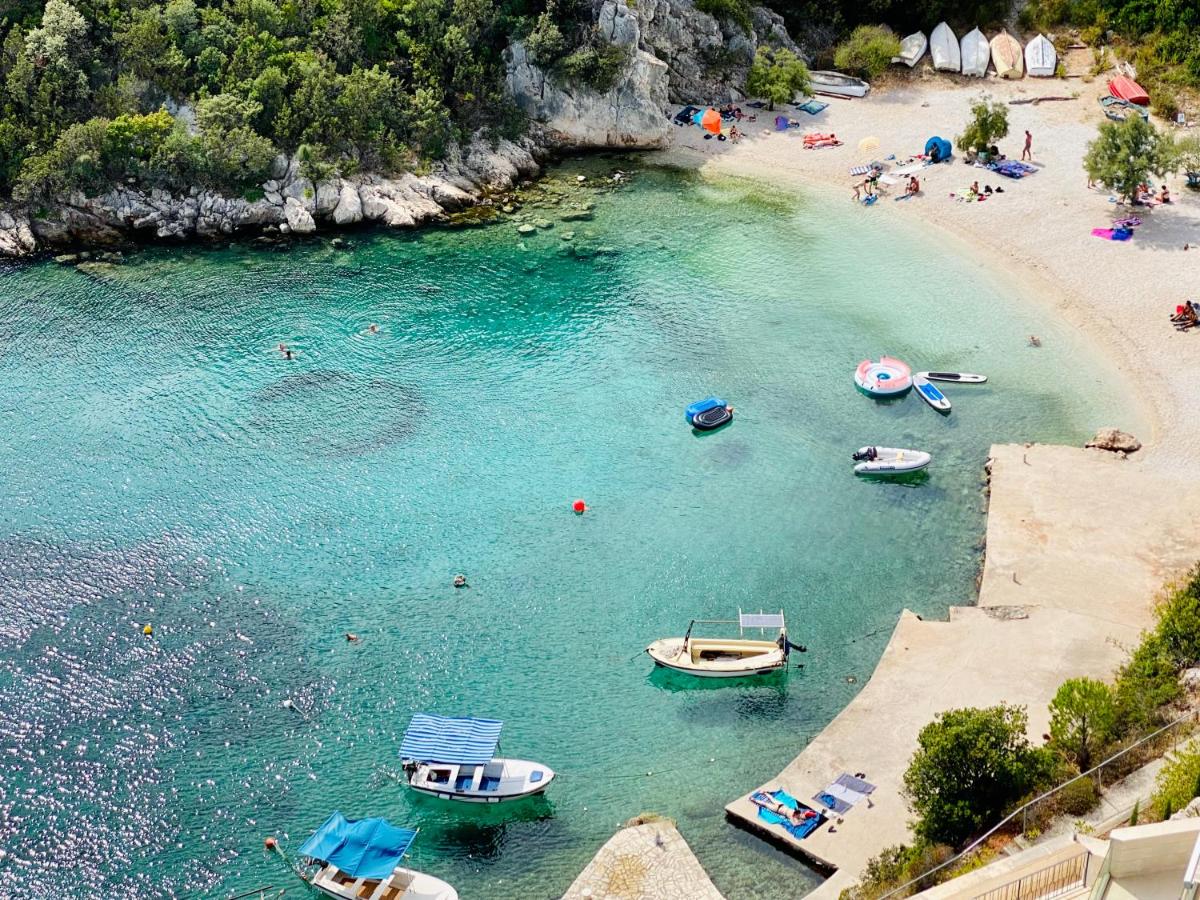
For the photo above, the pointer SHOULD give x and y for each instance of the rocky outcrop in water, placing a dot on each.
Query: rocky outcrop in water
(1115, 441)
(290, 203)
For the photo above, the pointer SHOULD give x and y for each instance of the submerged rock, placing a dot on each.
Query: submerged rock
(1115, 440)
(526, 229)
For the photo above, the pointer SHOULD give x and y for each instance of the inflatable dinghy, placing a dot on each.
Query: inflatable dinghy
(889, 461)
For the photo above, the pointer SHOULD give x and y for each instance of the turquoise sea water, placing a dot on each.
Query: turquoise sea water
(162, 462)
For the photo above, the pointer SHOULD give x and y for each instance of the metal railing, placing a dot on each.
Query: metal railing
(1169, 731)
(1062, 876)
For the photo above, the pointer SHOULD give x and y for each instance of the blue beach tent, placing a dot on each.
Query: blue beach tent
(461, 741)
(938, 147)
(362, 848)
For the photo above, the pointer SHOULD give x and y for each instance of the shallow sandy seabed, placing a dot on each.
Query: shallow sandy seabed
(1078, 541)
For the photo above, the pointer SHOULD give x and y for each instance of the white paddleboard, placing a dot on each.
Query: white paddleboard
(956, 377)
(930, 394)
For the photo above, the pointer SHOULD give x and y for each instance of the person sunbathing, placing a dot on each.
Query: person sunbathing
(770, 804)
(914, 186)
(1189, 319)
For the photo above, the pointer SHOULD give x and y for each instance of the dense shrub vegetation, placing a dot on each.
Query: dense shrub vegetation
(1163, 37)
(973, 766)
(989, 124)
(868, 50)
(357, 83)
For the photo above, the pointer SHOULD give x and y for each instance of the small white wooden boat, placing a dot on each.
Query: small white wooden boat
(956, 377)
(943, 47)
(889, 461)
(1041, 59)
(360, 860)
(1007, 56)
(930, 394)
(912, 48)
(975, 52)
(453, 759)
(826, 82)
(726, 657)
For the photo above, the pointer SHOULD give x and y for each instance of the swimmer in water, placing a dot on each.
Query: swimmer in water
(374, 329)
(287, 354)
(460, 581)
(1035, 341)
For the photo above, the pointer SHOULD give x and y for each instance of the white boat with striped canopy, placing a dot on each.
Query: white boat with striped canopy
(454, 759)
(727, 657)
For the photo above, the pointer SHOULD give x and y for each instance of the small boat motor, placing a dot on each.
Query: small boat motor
(867, 455)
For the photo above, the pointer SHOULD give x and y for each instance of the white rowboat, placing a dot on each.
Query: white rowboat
(454, 759)
(496, 781)
(839, 84)
(1041, 59)
(912, 48)
(1007, 56)
(943, 47)
(725, 657)
(976, 54)
(889, 461)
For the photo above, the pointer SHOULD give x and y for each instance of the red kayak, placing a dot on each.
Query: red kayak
(1129, 90)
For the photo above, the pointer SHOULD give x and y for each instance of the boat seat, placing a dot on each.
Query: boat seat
(341, 879)
(463, 783)
(367, 889)
(489, 784)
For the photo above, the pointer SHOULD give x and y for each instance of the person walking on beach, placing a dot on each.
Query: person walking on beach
(1027, 153)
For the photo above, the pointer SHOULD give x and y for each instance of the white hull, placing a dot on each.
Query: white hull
(954, 377)
(975, 53)
(912, 48)
(707, 658)
(1007, 56)
(500, 781)
(415, 886)
(839, 84)
(893, 461)
(943, 47)
(1041, 59)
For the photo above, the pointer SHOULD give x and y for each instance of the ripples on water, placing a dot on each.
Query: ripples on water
(163, 463)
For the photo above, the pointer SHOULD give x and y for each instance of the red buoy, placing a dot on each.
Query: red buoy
(579, 506)
(270, 843)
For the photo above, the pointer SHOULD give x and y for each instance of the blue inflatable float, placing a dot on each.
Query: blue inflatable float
(709, 413)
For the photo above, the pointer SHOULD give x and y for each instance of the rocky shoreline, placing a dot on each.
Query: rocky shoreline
(671, 46)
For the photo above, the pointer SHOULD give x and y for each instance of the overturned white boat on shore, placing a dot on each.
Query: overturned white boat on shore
(912, 48)
(454, 759)
(976, 53)
(944, 48)
(727, 657)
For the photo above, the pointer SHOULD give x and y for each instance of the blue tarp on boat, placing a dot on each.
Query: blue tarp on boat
(465, 741)
(362, 848)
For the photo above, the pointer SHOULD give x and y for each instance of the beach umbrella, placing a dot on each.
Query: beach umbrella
(708, 119)
(868, 145)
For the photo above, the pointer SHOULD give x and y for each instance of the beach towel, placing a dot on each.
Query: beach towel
(855, 784)
(799, 832)
(1011, 168)
(1113, 234)
(812, 107)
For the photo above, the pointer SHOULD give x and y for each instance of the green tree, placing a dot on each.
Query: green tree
(74, 162)
(970, 765)
(1188, 149)
(1083, 714)
(989, 124)
(235, 154)
(1177, 780)
(868, 50)
(545, 40)
(777, 76)
(132, 141)
(1125, 154)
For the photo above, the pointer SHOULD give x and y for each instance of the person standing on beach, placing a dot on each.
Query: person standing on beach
(1027, 153)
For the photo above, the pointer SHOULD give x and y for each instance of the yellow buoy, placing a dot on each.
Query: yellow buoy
(147, 629)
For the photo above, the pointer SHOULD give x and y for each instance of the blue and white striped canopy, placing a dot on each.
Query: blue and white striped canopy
(465, 741)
